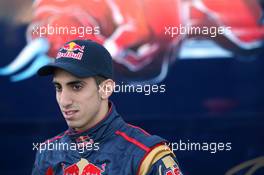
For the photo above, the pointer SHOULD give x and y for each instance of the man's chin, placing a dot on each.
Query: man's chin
(73, 124)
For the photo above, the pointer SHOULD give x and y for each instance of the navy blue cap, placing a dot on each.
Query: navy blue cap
(82, 58)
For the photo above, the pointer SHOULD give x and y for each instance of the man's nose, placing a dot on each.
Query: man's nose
(65, 99)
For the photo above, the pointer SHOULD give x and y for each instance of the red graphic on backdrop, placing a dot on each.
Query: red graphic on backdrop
(142, 42)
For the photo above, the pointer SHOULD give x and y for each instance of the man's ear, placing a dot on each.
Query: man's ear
(106, 88)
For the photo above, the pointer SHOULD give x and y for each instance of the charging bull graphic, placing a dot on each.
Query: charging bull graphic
(83, 167)
(143, 36)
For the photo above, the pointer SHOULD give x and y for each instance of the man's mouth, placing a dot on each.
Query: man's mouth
(69, 114)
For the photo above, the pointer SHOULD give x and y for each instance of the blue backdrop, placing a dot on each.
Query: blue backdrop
(206, 100)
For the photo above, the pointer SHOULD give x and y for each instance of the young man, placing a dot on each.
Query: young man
(98, 140)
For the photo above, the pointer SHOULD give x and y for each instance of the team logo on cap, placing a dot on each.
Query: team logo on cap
(72, 49)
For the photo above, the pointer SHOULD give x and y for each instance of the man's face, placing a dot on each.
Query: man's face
(78, 99)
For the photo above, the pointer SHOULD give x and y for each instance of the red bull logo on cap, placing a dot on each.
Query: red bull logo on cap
(84, 167)
(71, 48)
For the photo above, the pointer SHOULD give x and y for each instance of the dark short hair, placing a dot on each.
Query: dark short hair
(99, 79)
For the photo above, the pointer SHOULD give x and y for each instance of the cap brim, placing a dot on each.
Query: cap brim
(75, 70)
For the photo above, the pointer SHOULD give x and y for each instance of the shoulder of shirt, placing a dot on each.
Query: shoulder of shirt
(138, 137)
(156, 153)
(153, 147)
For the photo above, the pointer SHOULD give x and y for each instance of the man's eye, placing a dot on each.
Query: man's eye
(57, 88)
(77, 87)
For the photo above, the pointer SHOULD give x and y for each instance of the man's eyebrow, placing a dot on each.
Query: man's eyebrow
(70, 82)
(75, 82)
(55, 82)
